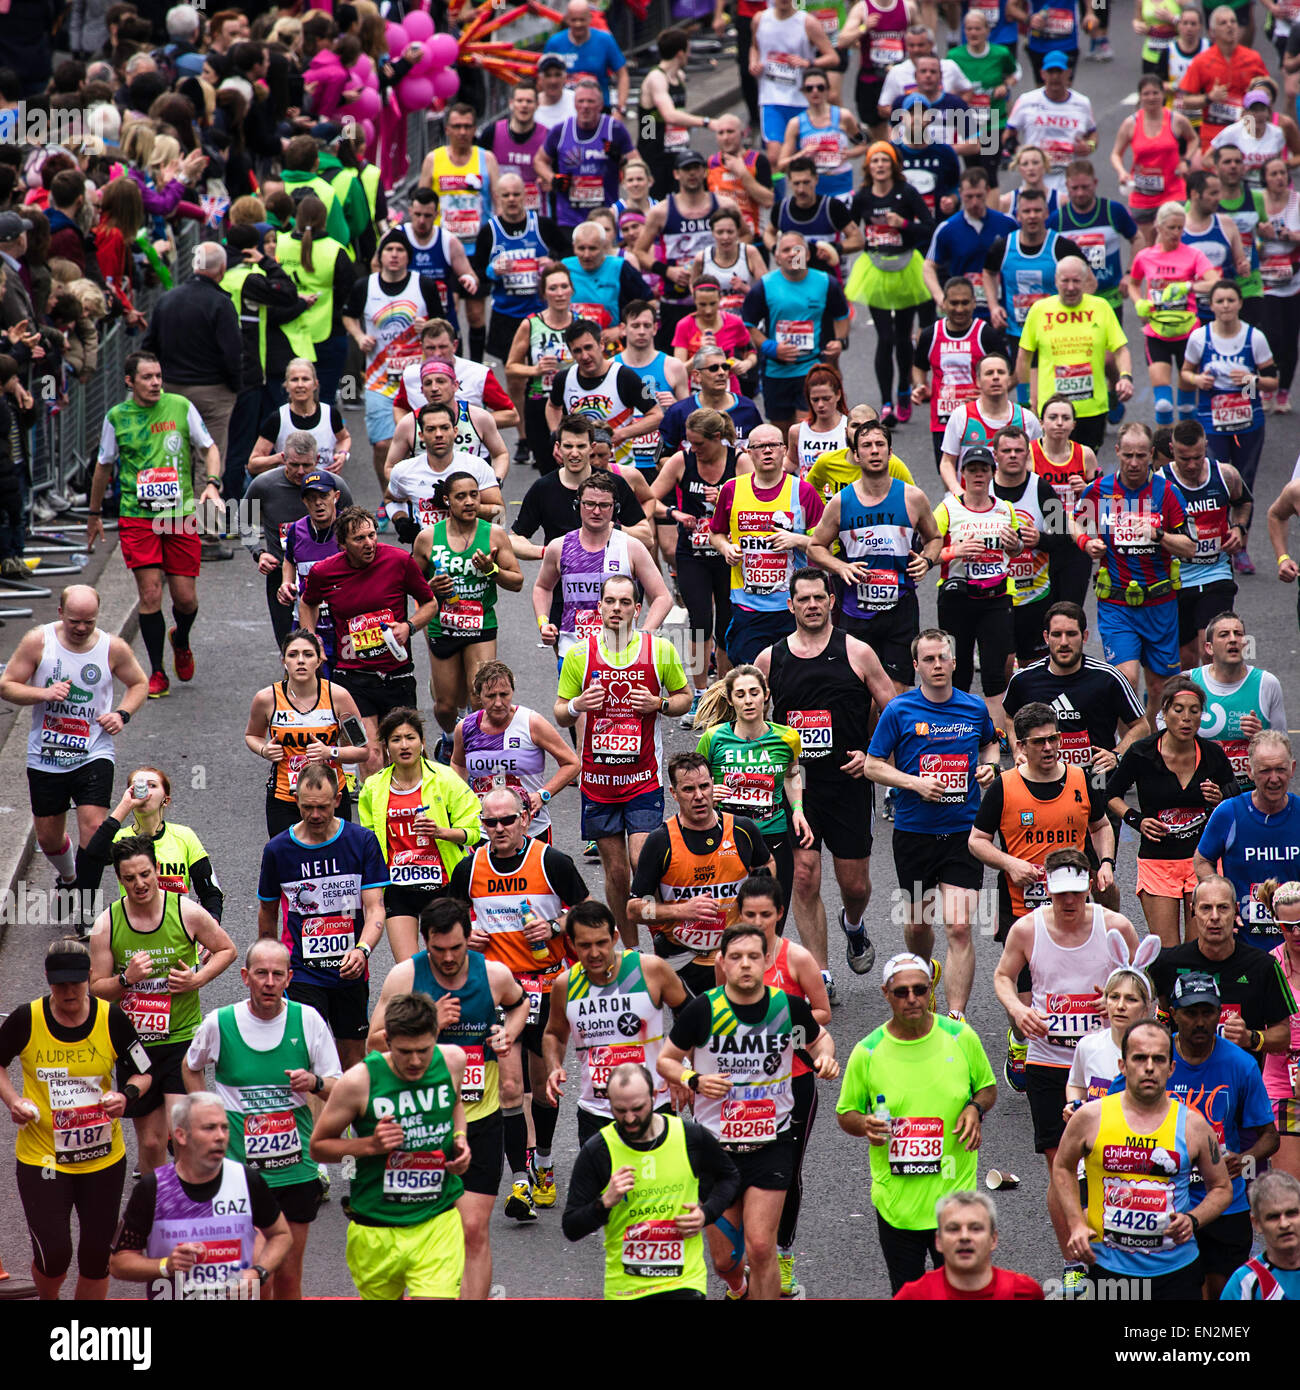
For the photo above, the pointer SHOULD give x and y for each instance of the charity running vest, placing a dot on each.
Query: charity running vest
(410, 1185)
(270, 1127)
(66, 1082)
(506, 759)
(761, 580)
(717, 875)
(1065, 979)
(879, 536)
(471, 611)
(66, 734)
(159, 1016)
(1137, 1183)
(759, 1059)
(582, 572)
(621, 750)
(223, 1226)
(644, 1251)
(391, 319)
(480, 1088)
(293, 729)
(613, 1024)
(153, 458)
(1222, 716)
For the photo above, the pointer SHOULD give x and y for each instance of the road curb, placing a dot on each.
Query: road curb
(118, 615)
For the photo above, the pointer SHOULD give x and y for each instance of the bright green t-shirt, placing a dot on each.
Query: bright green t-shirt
(668, 665)
(151, 448)
(749, 773)
(1072, 345)
(928, 1080)
(992, 69)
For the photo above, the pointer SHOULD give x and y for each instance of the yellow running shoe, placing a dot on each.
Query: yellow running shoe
(543, 1181)
(519, 1205)
(789, 1287)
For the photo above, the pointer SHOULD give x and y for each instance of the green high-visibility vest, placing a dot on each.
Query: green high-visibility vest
(233, 284)
(312, 326)
(369, 175)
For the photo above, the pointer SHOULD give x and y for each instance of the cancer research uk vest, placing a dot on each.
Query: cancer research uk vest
(65, 734)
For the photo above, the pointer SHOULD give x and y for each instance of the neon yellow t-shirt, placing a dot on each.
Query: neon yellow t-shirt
(1072, 345)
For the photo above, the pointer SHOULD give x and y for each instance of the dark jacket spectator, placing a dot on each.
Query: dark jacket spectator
(194, 332)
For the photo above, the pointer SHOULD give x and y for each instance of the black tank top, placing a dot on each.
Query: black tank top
(690, 499)
(824, 699)
(653, 126)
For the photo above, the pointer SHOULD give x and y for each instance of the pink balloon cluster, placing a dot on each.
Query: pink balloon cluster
(434, 75)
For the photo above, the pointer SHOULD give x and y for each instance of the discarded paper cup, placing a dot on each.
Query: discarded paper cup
(1000, 1182)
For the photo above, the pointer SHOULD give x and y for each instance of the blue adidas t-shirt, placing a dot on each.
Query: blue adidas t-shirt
(935, 740)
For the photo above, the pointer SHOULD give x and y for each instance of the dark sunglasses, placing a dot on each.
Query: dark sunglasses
(910, 991)
(493, 821)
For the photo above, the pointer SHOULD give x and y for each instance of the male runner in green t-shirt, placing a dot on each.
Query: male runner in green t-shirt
(405, 1234)
(147, 440)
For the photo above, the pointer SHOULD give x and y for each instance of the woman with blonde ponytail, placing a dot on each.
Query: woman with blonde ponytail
(755, 766)
(320, 266)
(1282, 1069)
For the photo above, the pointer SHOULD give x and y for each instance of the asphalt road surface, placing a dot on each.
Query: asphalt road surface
(196, 734)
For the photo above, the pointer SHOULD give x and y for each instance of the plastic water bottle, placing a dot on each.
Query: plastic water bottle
(540, 950)
(390, 641)
(881, 1111)
(140, 788)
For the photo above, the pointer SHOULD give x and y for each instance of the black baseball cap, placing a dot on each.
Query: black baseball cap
(687, 157)
(1194, 988)
(980, 455)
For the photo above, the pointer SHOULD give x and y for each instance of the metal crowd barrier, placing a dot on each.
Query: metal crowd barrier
(63, 442)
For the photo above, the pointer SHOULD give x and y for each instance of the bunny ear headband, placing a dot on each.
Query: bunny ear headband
(1117, 949)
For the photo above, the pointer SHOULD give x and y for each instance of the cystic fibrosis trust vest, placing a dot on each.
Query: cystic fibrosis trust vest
(644, 1251)
(66, 1082)
(223, 1226)
(270, 1131)
(612, 1024)
(759, 1059)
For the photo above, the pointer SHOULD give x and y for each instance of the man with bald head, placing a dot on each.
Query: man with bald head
(65, 671)
(593, 52)
(514, 246)
(1069, 341)
(1216, 80)
(270, 1056)
(194, 332)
